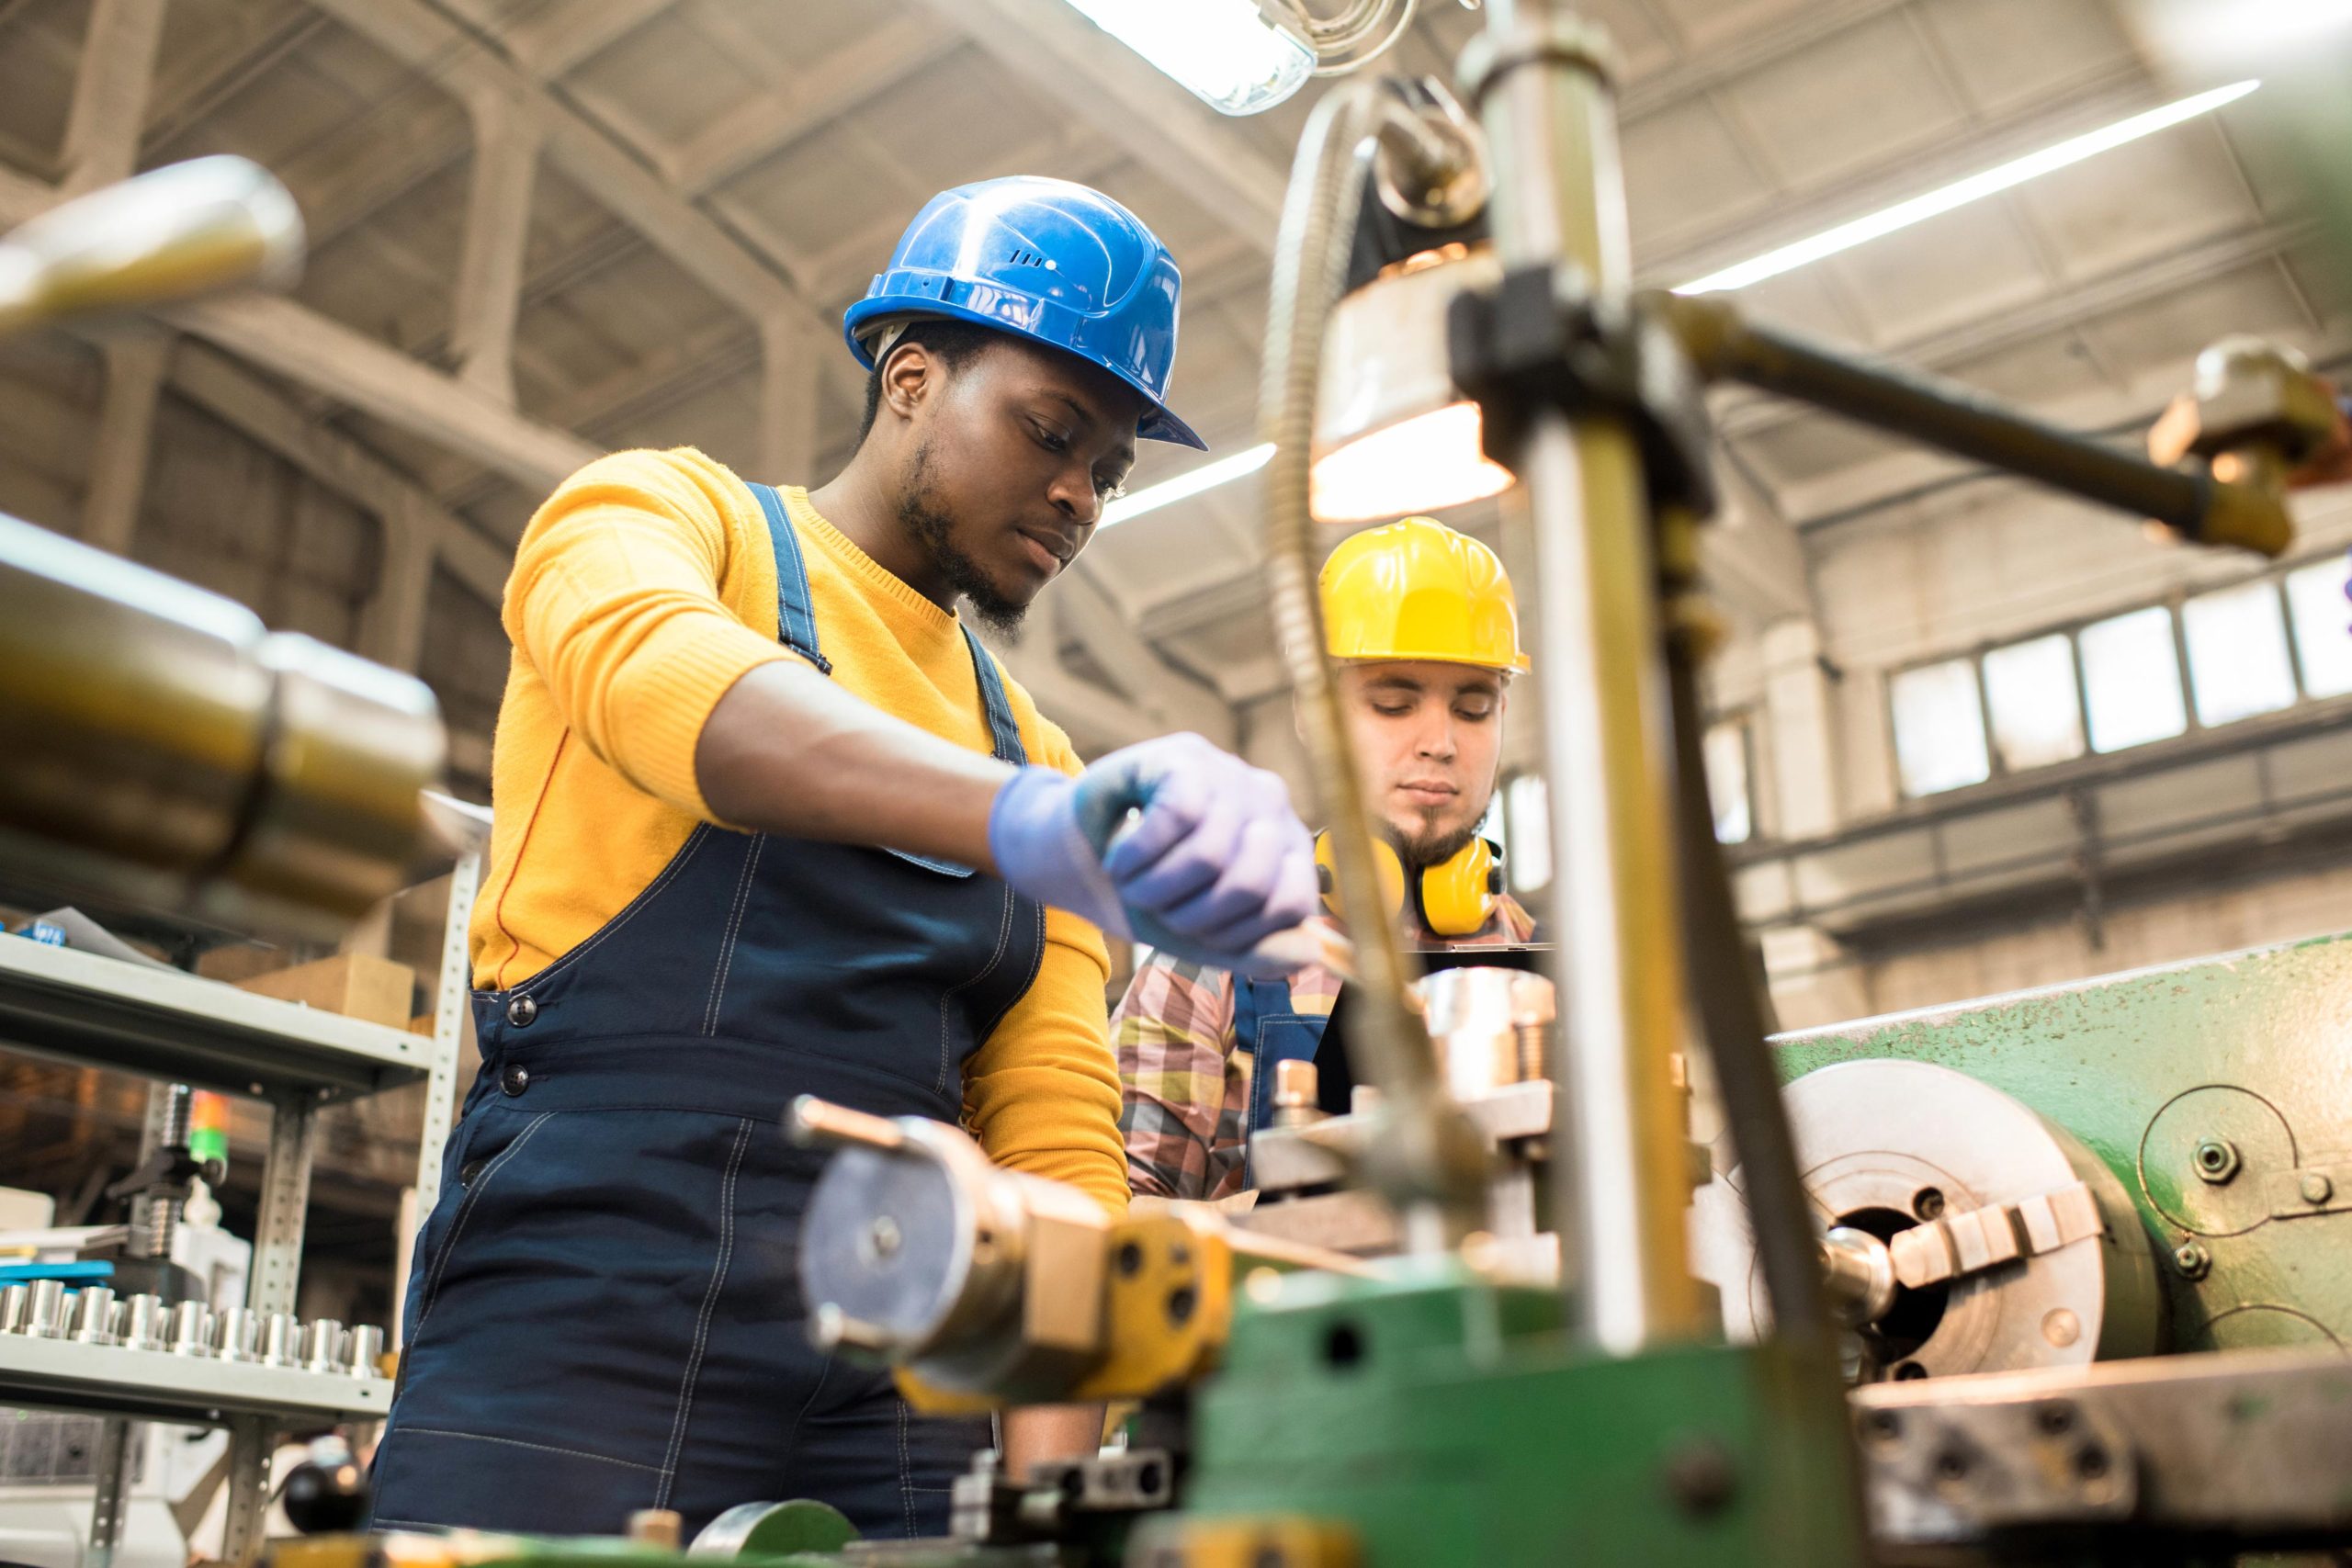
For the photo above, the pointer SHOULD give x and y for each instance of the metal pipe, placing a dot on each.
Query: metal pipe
(1431, 1160)
(165, 749)
(1968, 423)
(1537, 79)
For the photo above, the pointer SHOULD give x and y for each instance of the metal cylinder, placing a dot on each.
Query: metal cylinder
(94, 1316)
(236, 1334)
(1489, 1026)
(45, 1316)
(1858, 1275)
(281, 1340)
(167, 749)
(1581, 512)
(191, 1330)
(322, 1349)
(140, 1321)
(155, 1216)
(16, 1302)
(363, 1349)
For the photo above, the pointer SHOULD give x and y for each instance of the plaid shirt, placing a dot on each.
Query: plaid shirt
(1184, 1087)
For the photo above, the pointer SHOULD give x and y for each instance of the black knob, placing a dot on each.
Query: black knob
(325, 1499)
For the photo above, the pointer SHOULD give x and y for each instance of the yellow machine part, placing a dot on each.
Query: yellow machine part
(1170, 1309)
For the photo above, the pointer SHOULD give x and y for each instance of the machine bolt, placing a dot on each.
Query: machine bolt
(2191, 1258)
(2317, 1188)
(1699, 1478)
(2216, 1159)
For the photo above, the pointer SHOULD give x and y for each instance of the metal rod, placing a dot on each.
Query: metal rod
(1537, 84)
(1726, 996)
(113, 1485)
(1968, 423)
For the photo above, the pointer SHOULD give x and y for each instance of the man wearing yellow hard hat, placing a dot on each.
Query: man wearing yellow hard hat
(1423, 623)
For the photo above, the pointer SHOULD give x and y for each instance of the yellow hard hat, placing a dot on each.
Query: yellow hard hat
(1418, 590)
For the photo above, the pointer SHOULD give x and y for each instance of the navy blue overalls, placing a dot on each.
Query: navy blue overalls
(605, 1312)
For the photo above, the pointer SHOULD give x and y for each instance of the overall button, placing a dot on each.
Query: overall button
(522, 1010)
(468, 1171)
(515, 1079)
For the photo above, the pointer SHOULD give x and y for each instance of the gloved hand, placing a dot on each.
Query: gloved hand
(1216, 862)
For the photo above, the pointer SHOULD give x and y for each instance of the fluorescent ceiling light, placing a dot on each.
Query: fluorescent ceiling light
(2196, 31)
(1208, 476)
(1228, 53)
(1960, 192)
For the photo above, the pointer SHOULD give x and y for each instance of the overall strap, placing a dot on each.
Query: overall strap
(1002, 726)
(796, 622)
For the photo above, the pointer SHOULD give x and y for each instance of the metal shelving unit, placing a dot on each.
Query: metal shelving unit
(113, 1380)
(175, 1027)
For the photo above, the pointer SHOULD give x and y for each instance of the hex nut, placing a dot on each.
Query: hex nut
(2216, 1160)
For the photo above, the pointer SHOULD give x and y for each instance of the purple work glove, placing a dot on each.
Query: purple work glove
(1216, 862)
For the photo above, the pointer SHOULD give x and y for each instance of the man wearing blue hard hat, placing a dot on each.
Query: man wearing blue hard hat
(770, 821)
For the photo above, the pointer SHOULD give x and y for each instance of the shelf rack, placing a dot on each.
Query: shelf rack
(177, 1028)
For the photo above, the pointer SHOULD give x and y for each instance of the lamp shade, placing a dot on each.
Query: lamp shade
(1393, 434)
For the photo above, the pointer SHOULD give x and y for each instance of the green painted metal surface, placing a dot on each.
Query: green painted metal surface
(2238, 1067)
(1450, 1421)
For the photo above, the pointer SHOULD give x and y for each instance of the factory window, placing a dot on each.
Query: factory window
(1939, 727)
(2237, 653)
(2035, 707)
(2131, 680)
(1527, 806)
(2322, 620)
(1727, 788)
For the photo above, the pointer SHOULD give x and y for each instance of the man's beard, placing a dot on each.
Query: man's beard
(1428, 847)
(933, 529)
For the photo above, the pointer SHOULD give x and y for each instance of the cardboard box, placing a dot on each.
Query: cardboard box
(353, 984)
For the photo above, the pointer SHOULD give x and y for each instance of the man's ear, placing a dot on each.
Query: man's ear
(909, 374)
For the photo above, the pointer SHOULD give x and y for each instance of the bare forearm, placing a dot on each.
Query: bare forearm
(786, 752)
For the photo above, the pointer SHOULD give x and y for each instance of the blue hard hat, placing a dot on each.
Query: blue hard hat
(1057, 262)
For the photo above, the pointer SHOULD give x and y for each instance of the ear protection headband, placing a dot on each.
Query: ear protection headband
(1453, 899)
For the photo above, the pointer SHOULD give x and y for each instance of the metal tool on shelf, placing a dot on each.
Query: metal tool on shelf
(94, 1316)
(191, 1330)
(140, 1322)
(236, 1334)
(45, 1315)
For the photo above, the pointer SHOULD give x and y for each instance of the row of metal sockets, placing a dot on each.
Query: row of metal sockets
(46, 1310)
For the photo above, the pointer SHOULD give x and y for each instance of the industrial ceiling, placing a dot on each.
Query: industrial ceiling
(544, 228)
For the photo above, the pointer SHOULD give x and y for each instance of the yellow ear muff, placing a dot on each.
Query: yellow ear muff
(1392, 876)
(1458, 897)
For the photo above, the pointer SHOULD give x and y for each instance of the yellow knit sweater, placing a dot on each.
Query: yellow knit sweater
(642, 590)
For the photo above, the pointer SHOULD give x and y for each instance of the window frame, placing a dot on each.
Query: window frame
(2173, 603)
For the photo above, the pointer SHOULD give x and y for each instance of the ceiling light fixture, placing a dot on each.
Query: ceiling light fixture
(1771, 264)
(1231, 55)
(1208, 476)
(1960, 192)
